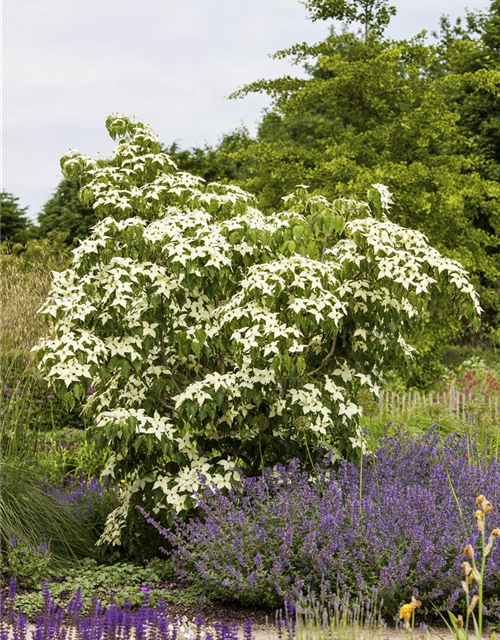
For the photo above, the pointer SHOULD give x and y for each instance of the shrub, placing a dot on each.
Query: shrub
(217, 336)
(405, 535)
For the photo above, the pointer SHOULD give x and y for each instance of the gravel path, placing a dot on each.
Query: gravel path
(269, 633)
(263, 633)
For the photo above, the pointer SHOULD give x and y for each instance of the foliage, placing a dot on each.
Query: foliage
(28, 410)
(215, 335)
(70, 452)
(111, 583)
(404, 534)
(374, 15)
(15, 225)
(28, 562)
(40, 255)
(415, 422)
(29, 513)
(88, 499)
(65, 213)
(419, 117)
(219, 163)
(474, 378)
(27, 402)
(26, 274)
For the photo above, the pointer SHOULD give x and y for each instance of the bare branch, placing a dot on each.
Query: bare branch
(327, 358)
(150, 390)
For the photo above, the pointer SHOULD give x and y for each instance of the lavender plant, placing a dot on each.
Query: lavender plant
(211, 331)
(287, 531)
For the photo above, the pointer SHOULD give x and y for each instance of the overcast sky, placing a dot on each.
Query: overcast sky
(68, 64)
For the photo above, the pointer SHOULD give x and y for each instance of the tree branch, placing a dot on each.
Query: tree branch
(150, 390)
(328, 356)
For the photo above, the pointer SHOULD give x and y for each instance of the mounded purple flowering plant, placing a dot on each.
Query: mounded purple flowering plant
(287, 531)
(91, 499)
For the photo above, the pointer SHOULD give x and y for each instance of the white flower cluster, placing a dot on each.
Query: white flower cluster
(191, 312)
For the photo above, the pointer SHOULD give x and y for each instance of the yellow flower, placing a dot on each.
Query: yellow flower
(469, 551)
(495, 532)
(406, 612)
(485, 505)
(468, 572)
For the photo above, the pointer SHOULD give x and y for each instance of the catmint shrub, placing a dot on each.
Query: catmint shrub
(287, 531)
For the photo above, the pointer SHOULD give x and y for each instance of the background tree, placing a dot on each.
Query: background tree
(15, 226)
(470, 55)
(419, 117)
(64, 212)
(221, 163)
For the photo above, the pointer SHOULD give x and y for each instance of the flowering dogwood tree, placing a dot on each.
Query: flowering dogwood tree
(211, 331)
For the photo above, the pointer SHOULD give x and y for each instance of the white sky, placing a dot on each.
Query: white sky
(68, 64)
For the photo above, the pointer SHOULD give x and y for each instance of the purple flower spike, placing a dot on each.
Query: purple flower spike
(12, 588)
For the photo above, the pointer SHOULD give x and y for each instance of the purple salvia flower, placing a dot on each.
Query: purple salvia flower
(248, 629)
(12, 590)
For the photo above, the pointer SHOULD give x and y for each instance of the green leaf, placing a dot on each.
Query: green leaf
(300, 365)
(196, 348)
(200, 335)
(338, 223)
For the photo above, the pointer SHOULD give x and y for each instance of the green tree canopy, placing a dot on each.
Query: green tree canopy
(64, 212)
(422, 118)
(15, 225)
(221, 162)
